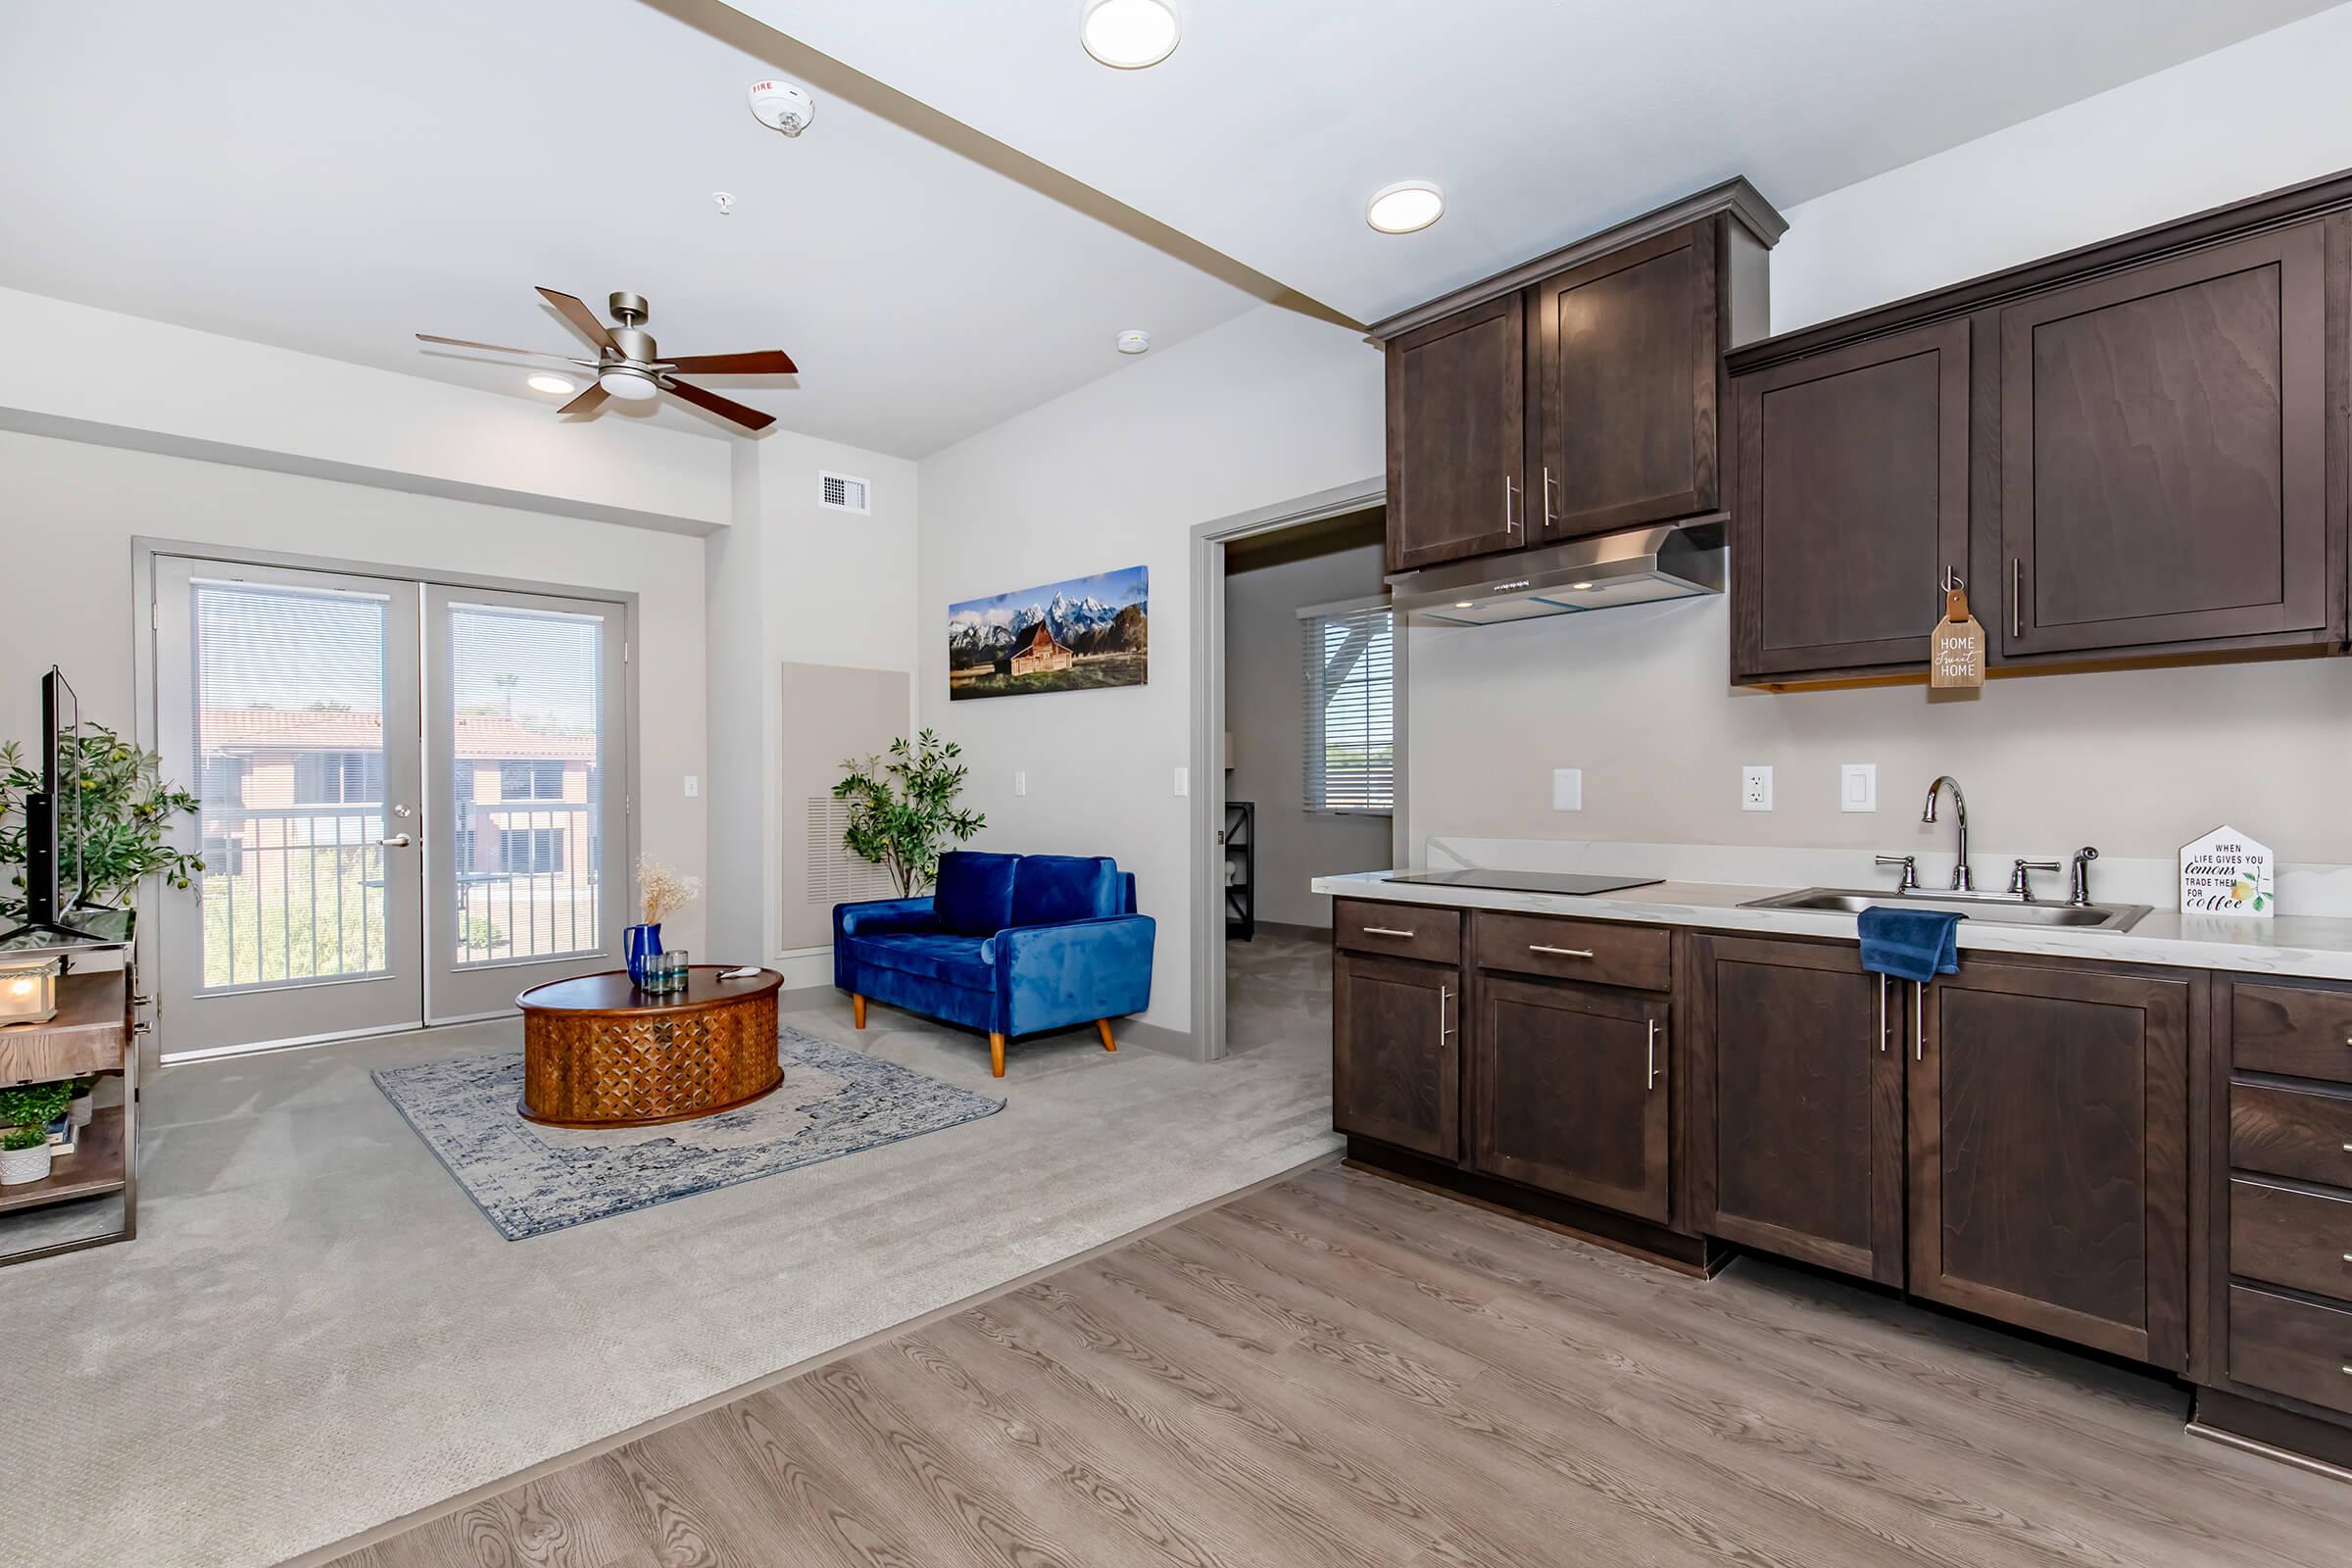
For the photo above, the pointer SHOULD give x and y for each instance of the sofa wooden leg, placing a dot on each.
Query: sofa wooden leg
(996, 1054)
(1102, 1028)
(857, 1009)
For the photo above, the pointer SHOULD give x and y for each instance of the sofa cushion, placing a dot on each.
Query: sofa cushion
(1049, 888)
(955, 960)
(974, 894)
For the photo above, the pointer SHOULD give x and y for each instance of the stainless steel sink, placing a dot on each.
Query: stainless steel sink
(1993, 908)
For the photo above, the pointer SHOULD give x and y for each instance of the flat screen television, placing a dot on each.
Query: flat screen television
(56, 881)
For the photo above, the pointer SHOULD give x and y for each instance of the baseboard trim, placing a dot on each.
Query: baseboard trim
(1155, 1037)
(1284, 928)
(322, 1555)
(2310, 1443)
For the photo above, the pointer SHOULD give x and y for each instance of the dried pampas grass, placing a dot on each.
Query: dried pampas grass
(664, 890)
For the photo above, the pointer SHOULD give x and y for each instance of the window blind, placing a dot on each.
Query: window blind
(1350, 706)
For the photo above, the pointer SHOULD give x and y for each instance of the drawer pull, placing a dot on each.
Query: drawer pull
(1385, 931)
(1580, 953)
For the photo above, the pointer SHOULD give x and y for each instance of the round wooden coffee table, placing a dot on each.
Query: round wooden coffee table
(597, 1052)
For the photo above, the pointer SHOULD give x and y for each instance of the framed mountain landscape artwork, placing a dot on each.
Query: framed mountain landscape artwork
(1074, 635)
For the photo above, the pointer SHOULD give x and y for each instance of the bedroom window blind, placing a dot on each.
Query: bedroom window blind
(1350, 747)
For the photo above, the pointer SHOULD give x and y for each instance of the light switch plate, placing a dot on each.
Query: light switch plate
(694, 785)
(1020, 783)
(1567, 788)
(1184, 781)
(1755, 788)
(1857, 785)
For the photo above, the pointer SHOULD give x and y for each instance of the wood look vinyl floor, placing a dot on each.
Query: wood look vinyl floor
(1341, 1370)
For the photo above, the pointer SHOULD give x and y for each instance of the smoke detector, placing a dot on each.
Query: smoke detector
(1133, 341)
(780, 106)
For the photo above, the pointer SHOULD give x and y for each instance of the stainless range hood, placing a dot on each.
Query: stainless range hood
(1637, 567)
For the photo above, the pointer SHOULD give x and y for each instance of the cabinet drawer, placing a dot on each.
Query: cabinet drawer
(2287, 1236)
(2302, 1031)
(2288, 1132)
(1601, 952)
(1399, 930)
(2292, 1347)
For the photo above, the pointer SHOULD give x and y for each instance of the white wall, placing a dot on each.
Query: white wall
(792, 581)
(2136, 762)
(1254, 412)
(70, 509)
(2261, 115)
(1265, 709)
(121, 379)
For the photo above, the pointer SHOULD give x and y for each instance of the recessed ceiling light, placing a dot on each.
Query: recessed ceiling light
(1463, 604)
(1404, 206)
(1129, 34)
(1134, 341)
(556, 385)
(1580, 585)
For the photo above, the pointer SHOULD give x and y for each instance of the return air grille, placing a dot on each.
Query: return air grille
(835, 875)
(843, 492)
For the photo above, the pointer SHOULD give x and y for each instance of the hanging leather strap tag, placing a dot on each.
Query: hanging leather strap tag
(1957, 654)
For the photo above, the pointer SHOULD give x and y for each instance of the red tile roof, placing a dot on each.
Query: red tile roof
(480, 735)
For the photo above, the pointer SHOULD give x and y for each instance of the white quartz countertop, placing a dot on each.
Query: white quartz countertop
(2310, 947)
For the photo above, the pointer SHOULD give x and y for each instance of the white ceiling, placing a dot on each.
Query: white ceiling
(335, 177)
(1274, 120)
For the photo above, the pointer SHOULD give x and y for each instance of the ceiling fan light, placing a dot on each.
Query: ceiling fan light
(633, 386)
(1129, 34)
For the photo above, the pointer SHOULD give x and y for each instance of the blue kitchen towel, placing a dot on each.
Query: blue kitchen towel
(1910, 944)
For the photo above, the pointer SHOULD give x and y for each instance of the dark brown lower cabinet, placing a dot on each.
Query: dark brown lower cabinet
(2049, 1150)
(1796, 1107)
(1570, 1092)
(1396, 1065)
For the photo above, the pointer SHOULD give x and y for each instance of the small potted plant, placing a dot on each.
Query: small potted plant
(27, 1111)
(663, 893)
(23, 1156)
(80, 1108)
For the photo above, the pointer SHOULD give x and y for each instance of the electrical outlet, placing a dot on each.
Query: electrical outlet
(1858, 786)
(1567, 788)
(1755, 788)
(1020, 783)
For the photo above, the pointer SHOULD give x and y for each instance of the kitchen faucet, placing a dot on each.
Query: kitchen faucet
(1963, 879)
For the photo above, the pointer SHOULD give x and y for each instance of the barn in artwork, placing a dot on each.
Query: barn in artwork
(1041, 650)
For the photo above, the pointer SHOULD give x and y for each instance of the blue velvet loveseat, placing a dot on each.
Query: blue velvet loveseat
(1011, 943)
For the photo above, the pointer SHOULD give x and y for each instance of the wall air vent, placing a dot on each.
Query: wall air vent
(835, 875)
(843, 492)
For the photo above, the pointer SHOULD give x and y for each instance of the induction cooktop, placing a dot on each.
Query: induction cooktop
(1525, 881)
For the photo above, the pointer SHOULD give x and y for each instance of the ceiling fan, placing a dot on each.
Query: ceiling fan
(629, 368)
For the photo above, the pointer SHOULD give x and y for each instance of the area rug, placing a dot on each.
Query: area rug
(530, 1180)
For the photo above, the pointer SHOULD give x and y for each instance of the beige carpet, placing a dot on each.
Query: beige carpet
(315, 1331)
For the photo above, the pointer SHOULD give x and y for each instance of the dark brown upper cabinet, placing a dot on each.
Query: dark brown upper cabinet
(1627, 355)
(1579, 393)
(2136, 434)
(1457, 464)
(1853, 504)
(2049, 1150)
(1571, 1094)
(1796, 1107)
(2163, 456)
(1396, 1057)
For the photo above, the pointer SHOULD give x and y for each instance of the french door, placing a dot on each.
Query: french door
(403, 805)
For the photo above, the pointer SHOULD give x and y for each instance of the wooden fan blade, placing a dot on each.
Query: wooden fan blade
(581, 317)
(724, 408)
(495, 347)
(759, 362)
(587, 401)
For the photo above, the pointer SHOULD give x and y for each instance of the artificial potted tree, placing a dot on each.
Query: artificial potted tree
(903, 810)
(124, 814)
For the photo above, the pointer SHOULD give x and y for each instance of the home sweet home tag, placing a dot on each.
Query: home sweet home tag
(1957, 657)
(2226, 872)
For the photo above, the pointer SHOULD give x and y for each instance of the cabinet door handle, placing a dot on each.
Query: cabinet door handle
(1562, 952)
(1549, 517)
(1881, 1016)
(1444, 1028)
(1510, 494)
(1385, 931)
(1653, 1055)
(1919, 1022)
(2017, 597)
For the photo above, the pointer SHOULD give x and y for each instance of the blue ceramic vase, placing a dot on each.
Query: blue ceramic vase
(642, 942)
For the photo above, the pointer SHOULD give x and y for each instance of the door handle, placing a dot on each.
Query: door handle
(1444, 1028)
(1919, 1022)
(1881, 1014)
(1564, 952)
(398, 841)
(1510, 493)
(2017, 607)
(1549, 517)
(1653, 1055)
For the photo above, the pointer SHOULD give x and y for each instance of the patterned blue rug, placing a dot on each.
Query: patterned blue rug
(530, 1180)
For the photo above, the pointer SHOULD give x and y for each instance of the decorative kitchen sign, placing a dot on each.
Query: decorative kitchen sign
(1958, 656)
(2226, 872)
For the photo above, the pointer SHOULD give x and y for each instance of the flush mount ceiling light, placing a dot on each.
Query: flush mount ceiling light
(1129, 34)
(1404, 206)
(555, 385)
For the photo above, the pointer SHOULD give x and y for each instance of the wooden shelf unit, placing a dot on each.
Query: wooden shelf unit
(93, 1033)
